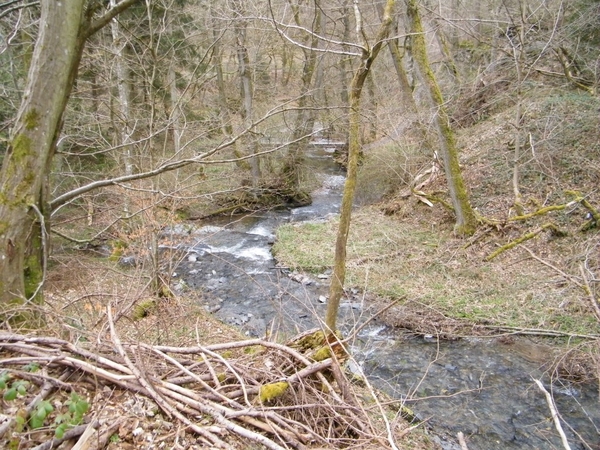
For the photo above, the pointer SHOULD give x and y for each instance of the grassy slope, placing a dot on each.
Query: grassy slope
(414, 253)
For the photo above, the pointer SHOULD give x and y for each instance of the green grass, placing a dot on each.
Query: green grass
(391, 258)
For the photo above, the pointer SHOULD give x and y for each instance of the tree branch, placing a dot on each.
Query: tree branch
(113, 12)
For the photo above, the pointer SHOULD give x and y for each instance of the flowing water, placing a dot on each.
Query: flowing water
(480, 387)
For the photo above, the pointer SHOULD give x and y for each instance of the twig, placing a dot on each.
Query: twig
(462, 441)
(585, 286)
(588, 290)
(69, 434)
(320, 415)
(356, 330)
(554, 412)
(160, 401)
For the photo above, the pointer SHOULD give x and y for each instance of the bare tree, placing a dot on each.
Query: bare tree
(466, 221)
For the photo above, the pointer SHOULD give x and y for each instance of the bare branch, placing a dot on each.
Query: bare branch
(16, 8)
(113, 12)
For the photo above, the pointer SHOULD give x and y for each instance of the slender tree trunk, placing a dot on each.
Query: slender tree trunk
(124, 93)
(518, 49)
(217, 58)
(466, 221)
(369, 54)
(305, 118)
(246, 88)
(345, 65)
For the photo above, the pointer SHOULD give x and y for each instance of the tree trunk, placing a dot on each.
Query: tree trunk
(466, 221)
(124, 93)
(217, 58)
(344, 64)
(24, 213)
(369, 54)
(31, 147)
(518, 49)
(246, 88)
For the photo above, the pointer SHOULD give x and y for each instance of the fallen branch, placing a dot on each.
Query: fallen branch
(191, 382)
(461, 440)
(584, 286)
(554, 413)
(160, 401)
(525, 237)
(69, 434)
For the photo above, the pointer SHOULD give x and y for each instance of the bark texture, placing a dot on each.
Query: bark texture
(24, 212)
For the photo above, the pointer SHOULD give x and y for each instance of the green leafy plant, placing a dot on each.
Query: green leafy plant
(4, 377)
(18, 387)
(32, 367)
(77, 407)
(42, 409)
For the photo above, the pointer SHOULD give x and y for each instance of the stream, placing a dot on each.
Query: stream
(477, 386)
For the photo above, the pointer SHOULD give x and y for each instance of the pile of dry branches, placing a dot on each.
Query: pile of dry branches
(254, 390)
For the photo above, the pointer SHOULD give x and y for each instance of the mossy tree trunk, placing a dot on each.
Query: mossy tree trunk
(406, 90)
(369, 54)
(24, 213)
(466, 221)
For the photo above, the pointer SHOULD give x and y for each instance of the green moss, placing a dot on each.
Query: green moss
(271, 391)
(143, 309)
(322, 354)
(21, 148)
(252, 349)
(31, 119)
(34, 272)
(408, 414)
(117, 251)
(3, 227)
(311, 341)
